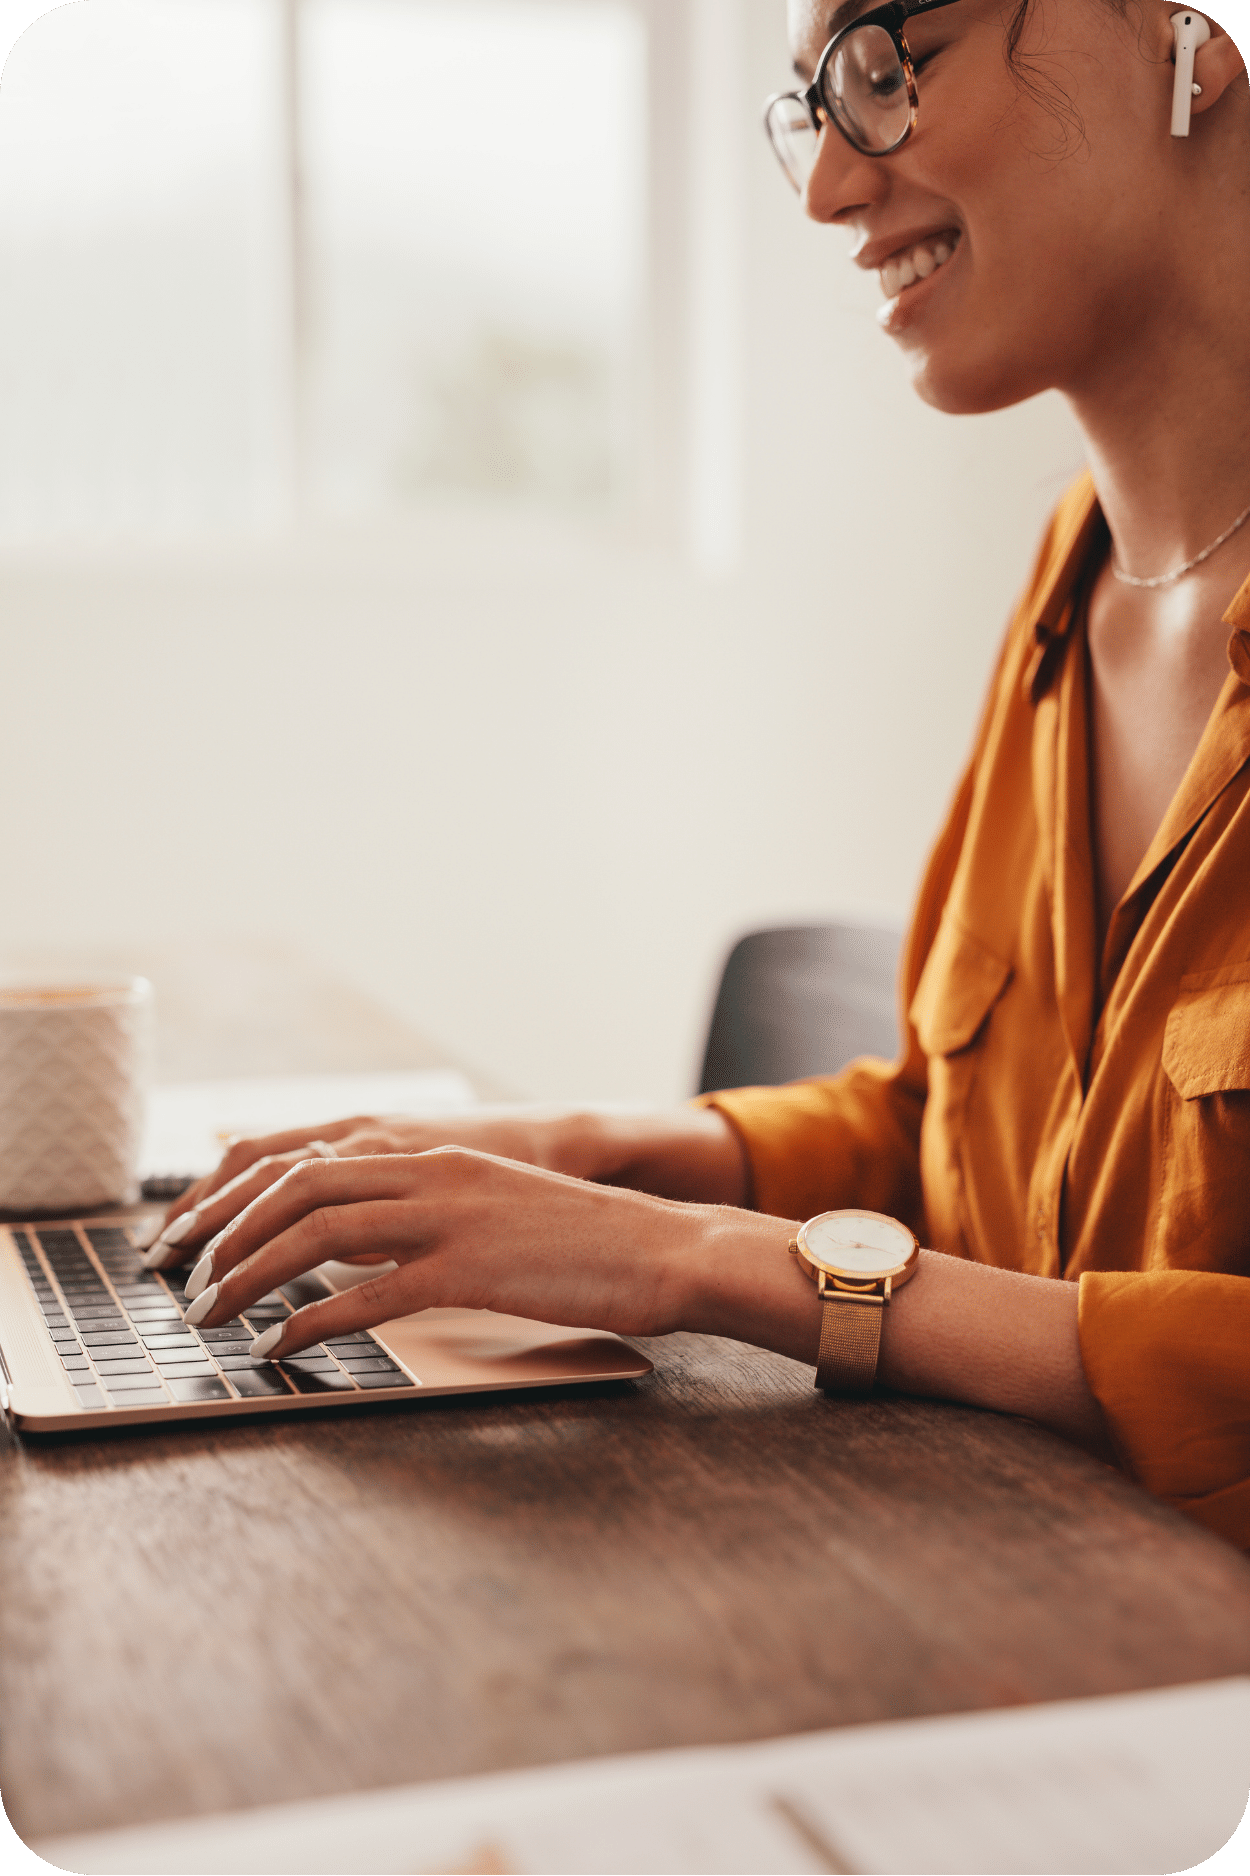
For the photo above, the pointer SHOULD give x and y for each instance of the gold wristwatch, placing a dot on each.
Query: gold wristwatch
(856, 1260)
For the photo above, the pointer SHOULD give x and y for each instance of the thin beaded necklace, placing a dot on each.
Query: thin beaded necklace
(1178, 573)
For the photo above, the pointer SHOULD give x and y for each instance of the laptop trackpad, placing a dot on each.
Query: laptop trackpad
(465, 1349)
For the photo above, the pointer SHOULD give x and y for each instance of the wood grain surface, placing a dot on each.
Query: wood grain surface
(204, 1618)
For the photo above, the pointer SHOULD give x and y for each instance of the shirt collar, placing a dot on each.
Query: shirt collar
(1077, 528)
(1238, 616)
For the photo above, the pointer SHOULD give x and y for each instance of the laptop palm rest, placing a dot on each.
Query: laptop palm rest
(466, 1350)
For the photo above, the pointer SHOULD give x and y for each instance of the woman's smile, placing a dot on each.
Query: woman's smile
(911, 276)
(918, 260)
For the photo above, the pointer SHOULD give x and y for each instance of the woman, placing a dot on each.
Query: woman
(1073, 1099)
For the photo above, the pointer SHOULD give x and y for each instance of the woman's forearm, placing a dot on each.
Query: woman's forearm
(958, 1331)
(689, 1153)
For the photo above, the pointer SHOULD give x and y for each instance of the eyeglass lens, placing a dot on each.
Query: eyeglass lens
(863, 89)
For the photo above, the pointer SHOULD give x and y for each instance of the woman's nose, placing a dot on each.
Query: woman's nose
(842, 178)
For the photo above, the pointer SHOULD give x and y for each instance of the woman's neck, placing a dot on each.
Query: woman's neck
(1168, 439)
(1164, 399)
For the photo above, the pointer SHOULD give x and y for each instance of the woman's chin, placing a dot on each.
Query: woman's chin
(964, 387)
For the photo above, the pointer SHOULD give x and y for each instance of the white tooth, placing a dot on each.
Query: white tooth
(889, 279)
(906, 272)
(942, 253)
(923, 262)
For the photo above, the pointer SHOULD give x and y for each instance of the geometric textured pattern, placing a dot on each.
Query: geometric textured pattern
(72, 1090)
(850, 1338)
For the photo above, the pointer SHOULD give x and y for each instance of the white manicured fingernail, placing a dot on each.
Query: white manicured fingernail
(265, 1344)
(199, 1277)
(153, 1259)
(202, 1304)
(182, 1227)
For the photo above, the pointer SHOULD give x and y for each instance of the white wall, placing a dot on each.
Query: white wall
(527, 788)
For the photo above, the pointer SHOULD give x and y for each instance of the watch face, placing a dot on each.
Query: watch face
(863, 1244)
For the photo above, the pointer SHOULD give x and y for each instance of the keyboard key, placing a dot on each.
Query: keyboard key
(106, 1237)
(198, 1390)
(223, 1350)
(89, 1397)
(166, 1185)
(109, 1338)
(385, 1380)
(162, 1338)
(306, 1383)
(312, 1364)
(75, 1364)
(67, 1345)
(356, 1364)
(351, 1341)
(253, 1383)
(123, 1367)
(303, 1290)
(238, 1364)
(179, 1369)
(136, 1396)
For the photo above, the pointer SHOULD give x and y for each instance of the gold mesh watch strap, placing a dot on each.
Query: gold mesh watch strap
(850, 1341)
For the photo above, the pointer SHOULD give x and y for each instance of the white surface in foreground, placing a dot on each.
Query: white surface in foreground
(187, 1120)
(1139, 1782)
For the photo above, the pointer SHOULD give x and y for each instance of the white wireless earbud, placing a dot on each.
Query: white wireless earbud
(1190, 31)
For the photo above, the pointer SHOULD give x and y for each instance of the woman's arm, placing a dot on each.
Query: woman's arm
(687, 1153)
(470, 1230)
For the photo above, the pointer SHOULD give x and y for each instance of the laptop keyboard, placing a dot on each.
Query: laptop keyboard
(120, 1332)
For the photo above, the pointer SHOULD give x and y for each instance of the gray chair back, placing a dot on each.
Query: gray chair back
(802, 1000)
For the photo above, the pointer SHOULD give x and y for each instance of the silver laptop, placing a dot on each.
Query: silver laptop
(89, 1338)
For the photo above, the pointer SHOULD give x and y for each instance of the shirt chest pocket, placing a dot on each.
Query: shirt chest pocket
(1206, 1045)
(960, 985)
(961, 982)
(1205, 1200)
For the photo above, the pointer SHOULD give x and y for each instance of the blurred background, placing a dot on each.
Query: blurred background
(459, 524)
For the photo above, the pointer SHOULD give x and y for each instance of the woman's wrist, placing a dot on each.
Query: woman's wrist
(739, 1280)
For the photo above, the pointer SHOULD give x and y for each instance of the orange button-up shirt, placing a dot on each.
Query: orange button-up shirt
(1056, 1112)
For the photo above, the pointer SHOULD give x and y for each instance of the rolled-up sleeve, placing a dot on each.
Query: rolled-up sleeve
(1167, 1356)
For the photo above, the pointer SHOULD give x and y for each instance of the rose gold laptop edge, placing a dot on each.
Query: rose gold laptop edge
(441, 1352)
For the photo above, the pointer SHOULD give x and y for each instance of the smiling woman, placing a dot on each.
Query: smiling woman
(1067, 1128)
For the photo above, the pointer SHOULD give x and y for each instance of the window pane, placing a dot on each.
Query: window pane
(474, 184)
(141, 322)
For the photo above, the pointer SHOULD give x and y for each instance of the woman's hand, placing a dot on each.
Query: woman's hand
(691, 1153)
(466, 1230)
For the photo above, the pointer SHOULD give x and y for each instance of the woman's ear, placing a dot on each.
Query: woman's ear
(1217, 65)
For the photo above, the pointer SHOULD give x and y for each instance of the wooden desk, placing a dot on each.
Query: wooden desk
(210, 1618)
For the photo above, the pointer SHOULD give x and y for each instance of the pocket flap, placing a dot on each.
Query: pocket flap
(959, 985)
(1206, 1044)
